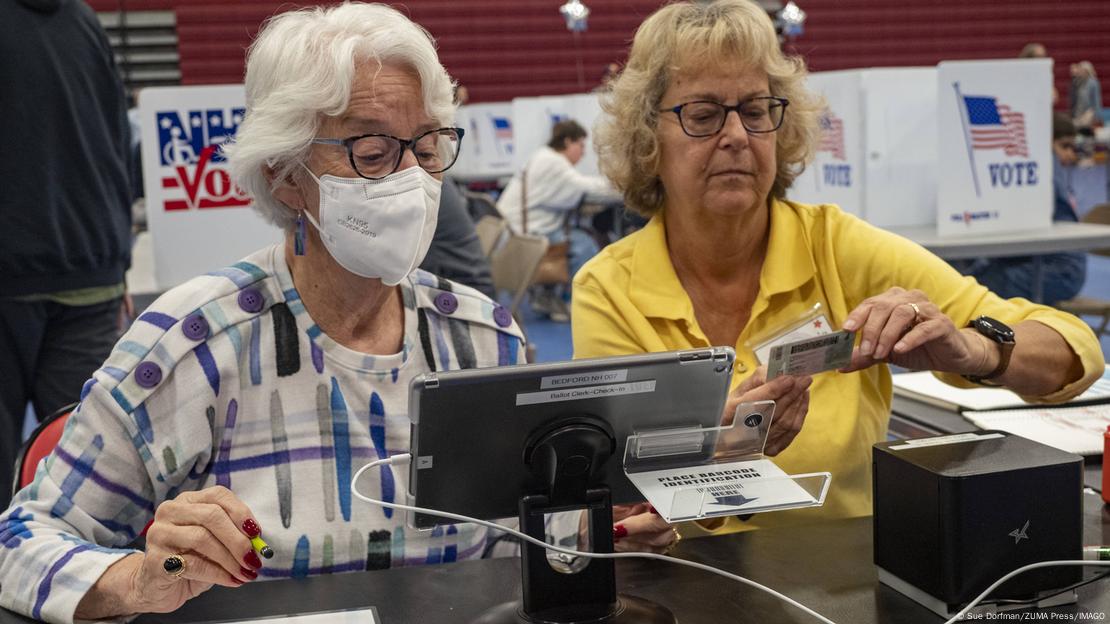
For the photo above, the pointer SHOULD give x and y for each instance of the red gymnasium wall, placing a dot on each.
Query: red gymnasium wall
(501, 49)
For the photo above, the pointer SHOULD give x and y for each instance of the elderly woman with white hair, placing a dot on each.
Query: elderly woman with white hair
(241, 402)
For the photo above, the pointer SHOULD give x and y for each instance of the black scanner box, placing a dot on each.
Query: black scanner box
(955, 513)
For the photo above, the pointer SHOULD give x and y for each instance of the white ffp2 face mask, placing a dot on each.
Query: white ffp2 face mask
(378, 228)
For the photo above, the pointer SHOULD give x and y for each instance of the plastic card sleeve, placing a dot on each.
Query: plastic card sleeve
(690, 473)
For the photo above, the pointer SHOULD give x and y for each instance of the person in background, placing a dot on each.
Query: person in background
(66, 240)
(1033, 50)
(611, 71)
(554, 190)
(1062, 274)
(1037, 50)
(455, 252)
(1085, 97)
(706, 127)
(462, 95)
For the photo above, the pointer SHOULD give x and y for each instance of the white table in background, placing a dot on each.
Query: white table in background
(1059, 237)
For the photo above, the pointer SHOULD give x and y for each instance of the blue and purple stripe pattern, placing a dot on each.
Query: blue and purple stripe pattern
(269, 406)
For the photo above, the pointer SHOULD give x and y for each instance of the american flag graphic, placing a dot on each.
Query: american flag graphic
(995, 126)
(502, 128)
(832, 135)
(503, 133)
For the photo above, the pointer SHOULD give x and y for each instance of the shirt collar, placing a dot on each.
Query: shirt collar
(657, 292)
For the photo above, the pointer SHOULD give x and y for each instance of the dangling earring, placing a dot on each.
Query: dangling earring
(298, 236)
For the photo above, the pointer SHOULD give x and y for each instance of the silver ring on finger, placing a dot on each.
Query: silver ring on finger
(916, 313)
(174, 565)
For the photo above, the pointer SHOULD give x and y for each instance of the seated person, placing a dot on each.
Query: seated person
(726, 260)
(1062, 274)
(554, 189)
(243, 401)
(456, 252)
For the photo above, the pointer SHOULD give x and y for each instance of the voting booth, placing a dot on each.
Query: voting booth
(994, 149)
(487, 150)
(533, 118)
(900, 168)
(835, 175)
(876, 155)
(964, 145)
(198, 219)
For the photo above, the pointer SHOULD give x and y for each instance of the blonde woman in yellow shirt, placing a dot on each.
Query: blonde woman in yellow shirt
(708, 125)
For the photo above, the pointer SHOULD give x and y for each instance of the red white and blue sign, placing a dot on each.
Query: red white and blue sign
(199, 220)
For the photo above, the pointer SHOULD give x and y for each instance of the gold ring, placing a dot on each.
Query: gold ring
(174, 565)
(677, 539)
(916, 313)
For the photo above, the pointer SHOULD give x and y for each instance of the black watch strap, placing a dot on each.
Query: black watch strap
(999, 333)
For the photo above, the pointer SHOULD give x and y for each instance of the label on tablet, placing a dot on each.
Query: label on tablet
(584, 379)
(811, 355)
(586, 392)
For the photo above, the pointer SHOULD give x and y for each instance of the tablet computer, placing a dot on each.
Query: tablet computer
(471, 429)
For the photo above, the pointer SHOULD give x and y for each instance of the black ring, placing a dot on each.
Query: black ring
(174, 565)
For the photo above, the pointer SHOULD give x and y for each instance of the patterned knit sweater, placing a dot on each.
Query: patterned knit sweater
(226, 380)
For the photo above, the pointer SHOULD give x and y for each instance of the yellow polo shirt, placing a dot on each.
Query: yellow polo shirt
(628, 299)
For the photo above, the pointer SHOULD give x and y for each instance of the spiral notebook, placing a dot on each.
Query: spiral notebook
(1077, 429)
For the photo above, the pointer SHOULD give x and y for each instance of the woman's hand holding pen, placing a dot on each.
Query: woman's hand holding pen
(197, 540)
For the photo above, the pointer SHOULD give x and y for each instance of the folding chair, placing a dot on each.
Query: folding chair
(1092, 306)
(490, 229)
(38, 445)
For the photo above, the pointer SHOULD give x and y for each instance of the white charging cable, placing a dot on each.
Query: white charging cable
(1024, 568)
(404, 458)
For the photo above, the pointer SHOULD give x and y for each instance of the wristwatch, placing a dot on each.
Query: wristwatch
(998, 332)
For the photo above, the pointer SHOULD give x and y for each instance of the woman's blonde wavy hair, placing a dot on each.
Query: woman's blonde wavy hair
(689, 36)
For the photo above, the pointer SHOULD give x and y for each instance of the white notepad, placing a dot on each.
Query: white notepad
(925, 387)
(1077, 429)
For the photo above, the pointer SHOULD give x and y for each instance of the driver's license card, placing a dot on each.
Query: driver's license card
(813, 355)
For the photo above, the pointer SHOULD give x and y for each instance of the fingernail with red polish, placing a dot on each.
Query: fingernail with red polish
(619, 532)
(651, 508)
(250, 527)
(251, 574)
(252, 560)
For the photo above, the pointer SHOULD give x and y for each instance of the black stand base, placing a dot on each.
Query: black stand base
(630, 610)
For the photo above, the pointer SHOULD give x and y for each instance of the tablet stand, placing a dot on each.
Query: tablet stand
(695, 473)
(565, 457)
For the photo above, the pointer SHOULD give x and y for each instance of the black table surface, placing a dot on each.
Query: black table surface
(827, 567)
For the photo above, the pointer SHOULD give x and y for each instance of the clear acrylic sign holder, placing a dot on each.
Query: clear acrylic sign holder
(691, 473)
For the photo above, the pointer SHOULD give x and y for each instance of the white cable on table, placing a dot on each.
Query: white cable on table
(401, 460)
(405, 458)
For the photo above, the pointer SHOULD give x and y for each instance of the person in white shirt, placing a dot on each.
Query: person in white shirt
(552, 189)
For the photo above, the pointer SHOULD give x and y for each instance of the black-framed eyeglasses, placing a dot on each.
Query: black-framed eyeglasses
(374, 156)
(704, 118)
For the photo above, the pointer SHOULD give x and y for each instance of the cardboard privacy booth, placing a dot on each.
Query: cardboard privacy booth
(533, 118)
(994, 150)
(900, 162)
(876, 155)
(487, 150)
(835, 175)
(198, 219)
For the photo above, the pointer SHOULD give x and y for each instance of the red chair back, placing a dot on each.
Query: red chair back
(38, 445)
